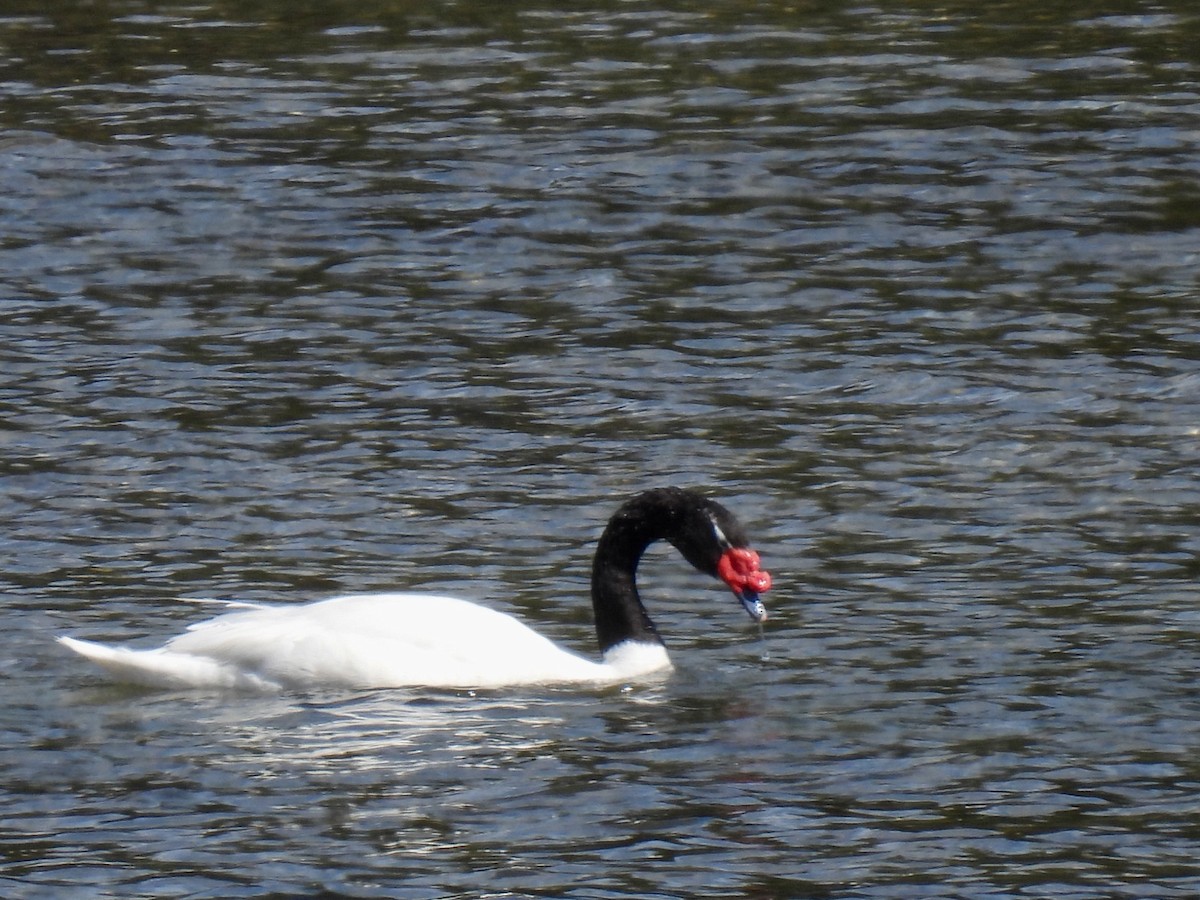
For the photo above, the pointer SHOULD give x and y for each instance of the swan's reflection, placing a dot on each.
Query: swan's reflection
(408, 733)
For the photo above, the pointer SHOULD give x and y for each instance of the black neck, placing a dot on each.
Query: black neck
(620, 615)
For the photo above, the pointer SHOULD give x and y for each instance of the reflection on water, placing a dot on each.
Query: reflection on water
(307, 299)
(387, 730)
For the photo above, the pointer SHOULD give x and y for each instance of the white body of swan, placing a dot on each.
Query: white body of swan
(367, 640)
(398, 640)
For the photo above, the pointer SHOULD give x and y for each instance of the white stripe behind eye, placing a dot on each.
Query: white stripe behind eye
(720, 535)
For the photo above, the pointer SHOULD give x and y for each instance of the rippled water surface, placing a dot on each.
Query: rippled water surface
(306, 298)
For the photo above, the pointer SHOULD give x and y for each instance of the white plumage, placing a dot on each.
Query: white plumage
(365, 640)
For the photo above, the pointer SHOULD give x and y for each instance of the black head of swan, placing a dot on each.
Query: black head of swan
(413, 639)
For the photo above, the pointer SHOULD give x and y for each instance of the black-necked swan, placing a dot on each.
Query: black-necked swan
(409, 639)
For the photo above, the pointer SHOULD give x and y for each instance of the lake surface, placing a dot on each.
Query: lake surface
(307, 298)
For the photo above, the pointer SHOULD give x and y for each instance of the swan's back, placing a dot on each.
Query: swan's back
(365, 640)
(382, 639)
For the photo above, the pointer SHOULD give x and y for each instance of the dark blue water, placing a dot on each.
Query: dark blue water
(301, 299)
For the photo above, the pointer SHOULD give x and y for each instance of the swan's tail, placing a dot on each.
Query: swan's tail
(163, 668)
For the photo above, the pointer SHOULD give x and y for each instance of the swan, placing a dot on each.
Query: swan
(389, 640)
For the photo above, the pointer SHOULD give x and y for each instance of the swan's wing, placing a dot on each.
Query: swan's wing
(384, 640)
(366, 640)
